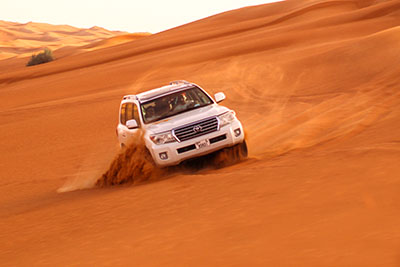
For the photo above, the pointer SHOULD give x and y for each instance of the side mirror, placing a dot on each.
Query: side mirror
(132, 124)
(219, 97)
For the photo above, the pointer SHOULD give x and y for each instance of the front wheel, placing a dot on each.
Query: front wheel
(242, 147)
(231, 155)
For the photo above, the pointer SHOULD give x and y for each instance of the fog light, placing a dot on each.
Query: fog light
(163, 155)
(237, 132)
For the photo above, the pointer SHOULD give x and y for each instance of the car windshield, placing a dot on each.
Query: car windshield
(175, 103)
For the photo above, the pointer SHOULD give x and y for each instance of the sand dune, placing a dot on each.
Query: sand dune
(316, 85)
(22, 40)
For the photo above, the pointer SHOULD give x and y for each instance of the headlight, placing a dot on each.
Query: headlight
(226, 118)
(162, 138)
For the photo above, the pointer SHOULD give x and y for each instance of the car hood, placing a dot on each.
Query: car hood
(185, 118)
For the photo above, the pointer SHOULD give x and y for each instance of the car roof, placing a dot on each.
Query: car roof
(164, 90)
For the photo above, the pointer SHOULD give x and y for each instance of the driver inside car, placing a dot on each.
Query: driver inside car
(181, 103)
(150, 113)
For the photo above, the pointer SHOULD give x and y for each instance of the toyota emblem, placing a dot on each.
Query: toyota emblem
(197, 129)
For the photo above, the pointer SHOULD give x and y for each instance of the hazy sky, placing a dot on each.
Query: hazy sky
(132, 16)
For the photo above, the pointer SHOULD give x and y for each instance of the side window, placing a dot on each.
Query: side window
(123, 113)
(129, 111)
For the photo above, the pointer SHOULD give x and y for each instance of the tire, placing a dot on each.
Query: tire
(147, 155)
(243, 149)
(239, 151)
(230, 155)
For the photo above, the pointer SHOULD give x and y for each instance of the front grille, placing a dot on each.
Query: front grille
(196, 129)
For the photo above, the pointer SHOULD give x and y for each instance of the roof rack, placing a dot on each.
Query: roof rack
(179, 81)
(134, 97)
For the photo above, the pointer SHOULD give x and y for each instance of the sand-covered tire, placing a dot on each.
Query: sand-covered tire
(243, 149)
(133, 164)
(239, 151)
(230, 155)
(147, 155)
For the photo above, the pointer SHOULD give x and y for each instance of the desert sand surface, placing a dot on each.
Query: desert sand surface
(316, 85)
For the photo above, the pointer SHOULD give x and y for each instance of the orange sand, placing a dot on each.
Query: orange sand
(317, 87)
(21, 40)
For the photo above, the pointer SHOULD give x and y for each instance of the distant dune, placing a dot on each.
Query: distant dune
(21, 40)
(316, 84)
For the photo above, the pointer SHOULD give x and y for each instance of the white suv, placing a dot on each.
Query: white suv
(180, 121)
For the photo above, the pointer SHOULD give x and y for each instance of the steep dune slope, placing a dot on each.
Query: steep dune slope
(316, 86)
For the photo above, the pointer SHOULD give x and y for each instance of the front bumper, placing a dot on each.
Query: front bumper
(173, 153)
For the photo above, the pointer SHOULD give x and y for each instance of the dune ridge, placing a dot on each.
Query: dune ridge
(291, 34)
(23, 39)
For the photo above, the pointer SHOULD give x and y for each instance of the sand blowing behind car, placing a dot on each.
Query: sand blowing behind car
(180, 121)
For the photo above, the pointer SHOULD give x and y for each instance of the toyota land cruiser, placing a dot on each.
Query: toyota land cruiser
(180, 121)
